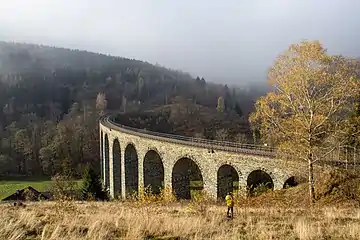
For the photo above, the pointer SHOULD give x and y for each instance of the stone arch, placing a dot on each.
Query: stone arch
(186, 177)
(131, 169)
(153, 171)
(290, 182)
(192, 158)
(259, 179)
(116, 167)
(227, 180)
(106, 162)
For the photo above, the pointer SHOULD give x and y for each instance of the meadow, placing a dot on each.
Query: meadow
(125, 220)
(280, 214)
(10, 185)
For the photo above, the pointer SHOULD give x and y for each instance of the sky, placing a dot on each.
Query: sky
(228, 41)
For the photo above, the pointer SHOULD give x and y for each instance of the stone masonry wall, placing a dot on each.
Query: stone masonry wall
(208, 162)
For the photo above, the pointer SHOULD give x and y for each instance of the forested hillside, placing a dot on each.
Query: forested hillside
(51, 99)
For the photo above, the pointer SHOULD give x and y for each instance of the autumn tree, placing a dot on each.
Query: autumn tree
(221, 105)
(353, 126)
(307, 111)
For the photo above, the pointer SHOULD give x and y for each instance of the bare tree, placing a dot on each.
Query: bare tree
(199, 135)
(222, 134)
(101, 103)
(241, 138)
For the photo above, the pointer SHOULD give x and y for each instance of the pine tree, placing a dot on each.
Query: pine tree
(238, 110)
(92, 187)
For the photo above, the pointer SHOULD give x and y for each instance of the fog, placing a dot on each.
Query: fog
(230, 41)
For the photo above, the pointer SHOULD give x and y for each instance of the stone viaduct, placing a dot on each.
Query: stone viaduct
(132, 159)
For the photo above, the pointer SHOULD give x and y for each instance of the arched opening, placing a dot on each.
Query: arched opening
(153, 172)
(227, 180)
(186, 178)
(259, 182)
(117, 167)
(106, 162)
(131, 170)
(290, 182)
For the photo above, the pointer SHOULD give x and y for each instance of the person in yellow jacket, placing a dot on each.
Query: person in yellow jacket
(230, 204)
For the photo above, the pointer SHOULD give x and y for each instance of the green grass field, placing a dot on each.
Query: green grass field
(8, 187)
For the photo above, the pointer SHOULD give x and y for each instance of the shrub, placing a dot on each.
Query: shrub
(200, 202)
(259, 189)
(62, 187)
(167, 195)
(147, 196)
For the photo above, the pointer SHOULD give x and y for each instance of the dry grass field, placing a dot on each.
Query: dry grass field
(116, 220)
(283, 214)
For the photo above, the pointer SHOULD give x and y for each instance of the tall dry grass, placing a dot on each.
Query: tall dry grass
(124, 220)
(283, 214)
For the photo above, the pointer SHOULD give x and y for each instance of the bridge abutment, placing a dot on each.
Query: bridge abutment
(101, 155)
(123, 190)
(111, 168)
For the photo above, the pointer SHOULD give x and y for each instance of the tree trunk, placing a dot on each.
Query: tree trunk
(311, 179)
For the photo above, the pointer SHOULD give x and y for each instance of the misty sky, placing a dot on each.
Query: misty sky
(228, 41)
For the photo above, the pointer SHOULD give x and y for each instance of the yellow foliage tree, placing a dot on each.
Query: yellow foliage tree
(221, 104)
(305, 114)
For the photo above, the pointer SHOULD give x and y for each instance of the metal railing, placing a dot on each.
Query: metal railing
(259, 150)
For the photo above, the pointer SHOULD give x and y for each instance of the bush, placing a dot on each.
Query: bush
(63, 187)
(259, 189)
(337, 185)
(167, 195)
(92, 188)
(200, 202)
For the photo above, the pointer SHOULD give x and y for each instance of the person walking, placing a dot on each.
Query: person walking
(230, 204)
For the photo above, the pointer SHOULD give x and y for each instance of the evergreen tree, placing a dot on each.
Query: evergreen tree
(238, 110)
(92, 187)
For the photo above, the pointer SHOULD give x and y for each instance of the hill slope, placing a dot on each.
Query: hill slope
(50, 103)
(86, 73)
(192, 120)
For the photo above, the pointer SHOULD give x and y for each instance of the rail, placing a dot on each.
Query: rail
(259, 150)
